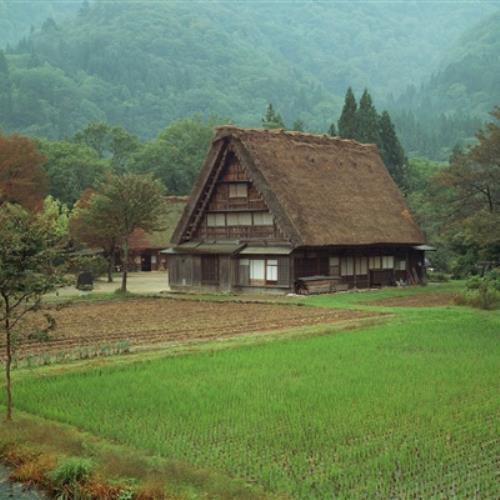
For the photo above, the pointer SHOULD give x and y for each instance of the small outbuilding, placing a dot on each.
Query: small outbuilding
(284, 211)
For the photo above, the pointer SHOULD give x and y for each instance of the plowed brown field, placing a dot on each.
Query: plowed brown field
(154, 321)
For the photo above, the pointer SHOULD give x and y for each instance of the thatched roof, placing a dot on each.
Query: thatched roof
(322, 190)
(140, 240)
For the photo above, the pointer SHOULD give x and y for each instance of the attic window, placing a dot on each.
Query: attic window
(262, 219)
(239, 190)
(239, 219)
(216, 220)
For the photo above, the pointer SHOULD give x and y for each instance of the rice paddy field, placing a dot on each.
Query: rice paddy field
(405, 408)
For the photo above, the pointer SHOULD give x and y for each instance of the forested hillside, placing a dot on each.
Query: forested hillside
(457, 97)
(18, 16)
(469, 76)
(145, 64)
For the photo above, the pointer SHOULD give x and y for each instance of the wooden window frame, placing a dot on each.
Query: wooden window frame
(248, 262)
(237, 215)
(334, 265)
(345, 263)
(387, 262)
(216, 216)
(234, 190)
(267, 224)
(360, 259)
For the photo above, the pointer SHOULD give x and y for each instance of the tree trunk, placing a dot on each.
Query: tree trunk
(8, 362)
(111, 266)
(124, 267)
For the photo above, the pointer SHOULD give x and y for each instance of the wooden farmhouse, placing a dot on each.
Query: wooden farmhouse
(286, 211)
(145, 249)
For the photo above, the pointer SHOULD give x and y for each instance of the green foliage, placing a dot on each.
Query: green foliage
(29, 251)
(29, 248)
(143, 66)
(177, 154)
(272, 119)
(367, 121)
(55, 216)
(437, 277)
(365, 125)
(71, 470)
(298, 126)
(392, 152)
(467, 193)
(123, 204)
(483, 293)
(96, 265)
(71, 168)
(348, 119)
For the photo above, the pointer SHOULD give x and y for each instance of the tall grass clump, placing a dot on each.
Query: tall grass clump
(71, 471)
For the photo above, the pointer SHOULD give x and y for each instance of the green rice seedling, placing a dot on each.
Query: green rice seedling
(406, 408)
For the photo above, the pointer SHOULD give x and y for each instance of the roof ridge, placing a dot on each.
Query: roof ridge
(231, 129)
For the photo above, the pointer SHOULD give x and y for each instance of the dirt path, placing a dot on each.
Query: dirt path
(146, 282)
(416, 300)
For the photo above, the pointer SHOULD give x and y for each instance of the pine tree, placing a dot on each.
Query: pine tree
(5, 90)
(392, 152)
(331, 130)
(367, 130)
(298, 125)
(347, 122)
(272, 119)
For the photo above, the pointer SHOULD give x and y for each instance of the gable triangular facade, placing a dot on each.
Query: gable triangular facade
(232, 202)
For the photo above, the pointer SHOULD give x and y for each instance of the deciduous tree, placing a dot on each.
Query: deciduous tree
(21, 178)
(71, 169)
(127, 203)
(29, 249)
(177, 154)
(90, 226)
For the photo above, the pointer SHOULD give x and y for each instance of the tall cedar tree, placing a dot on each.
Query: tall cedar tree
(298, 126)
(392, 152)
(22, 179)
(272, 119)
(129, 202)
(5, 89)
(29, 249)
(367, 122)
(347, 124)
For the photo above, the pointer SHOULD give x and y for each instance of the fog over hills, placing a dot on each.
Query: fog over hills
(144, 64)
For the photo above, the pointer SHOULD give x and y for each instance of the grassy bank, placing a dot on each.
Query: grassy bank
(406, 407)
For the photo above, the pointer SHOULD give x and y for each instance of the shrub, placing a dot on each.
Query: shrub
(437, 277)
(70, 471)
(96, 265)
(482, 293)
(473, 283)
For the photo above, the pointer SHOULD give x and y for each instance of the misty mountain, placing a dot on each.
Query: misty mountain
(144, 64)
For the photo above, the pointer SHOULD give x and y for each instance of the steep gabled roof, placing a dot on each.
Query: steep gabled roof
(322, 190)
